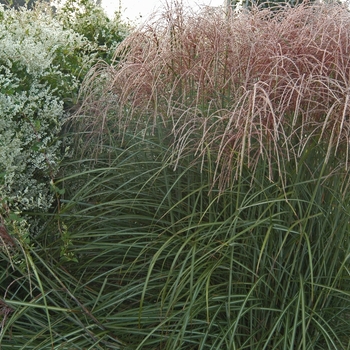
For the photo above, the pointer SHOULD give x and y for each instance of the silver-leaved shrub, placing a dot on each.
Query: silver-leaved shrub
(41, 67)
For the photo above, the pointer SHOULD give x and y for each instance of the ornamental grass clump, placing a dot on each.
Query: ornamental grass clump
(207, 204)
(257, 85)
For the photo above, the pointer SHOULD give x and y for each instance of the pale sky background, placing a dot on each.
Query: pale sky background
(132, 9)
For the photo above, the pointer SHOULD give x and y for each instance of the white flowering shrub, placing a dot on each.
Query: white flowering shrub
(90, 20)
(41, 67)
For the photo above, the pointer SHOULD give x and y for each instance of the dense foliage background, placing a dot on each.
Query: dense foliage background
(43, 60)
(41, 63)
(197, 198)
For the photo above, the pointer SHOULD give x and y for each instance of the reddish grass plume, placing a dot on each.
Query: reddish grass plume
(242, 86)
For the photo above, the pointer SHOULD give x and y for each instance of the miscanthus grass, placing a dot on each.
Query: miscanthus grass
(207, 206)
(257, 85)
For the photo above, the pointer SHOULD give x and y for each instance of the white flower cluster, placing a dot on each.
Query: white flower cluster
(39, 66)
(29, 149)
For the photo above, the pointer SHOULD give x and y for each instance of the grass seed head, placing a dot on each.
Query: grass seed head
(249, 86)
